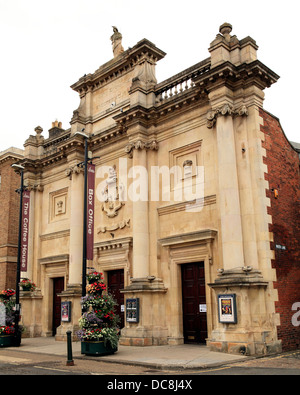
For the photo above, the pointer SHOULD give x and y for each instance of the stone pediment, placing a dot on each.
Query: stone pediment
(118, 66)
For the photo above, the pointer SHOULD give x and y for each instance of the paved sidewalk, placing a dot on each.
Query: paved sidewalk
(185, 356)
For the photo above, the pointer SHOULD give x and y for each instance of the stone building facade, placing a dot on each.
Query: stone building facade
(183, 223)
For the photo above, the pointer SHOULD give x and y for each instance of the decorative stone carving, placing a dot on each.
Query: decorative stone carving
(112, 194)
(38, 130)
(145, 73)
(226, 29)
(58, 204)
(111, 228)
(33, 187)
(73, 170)
(225, 110)
(139, 144)
(187, 168)
(111, 210)
(116, 40)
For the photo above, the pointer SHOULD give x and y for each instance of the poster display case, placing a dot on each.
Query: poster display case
(132, 310)
(227, 309)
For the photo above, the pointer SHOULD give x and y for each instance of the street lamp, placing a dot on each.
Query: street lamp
(19, 169)
(84, 164)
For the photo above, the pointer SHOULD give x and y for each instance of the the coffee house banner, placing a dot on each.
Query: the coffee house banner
(90, 211)
(25, 230)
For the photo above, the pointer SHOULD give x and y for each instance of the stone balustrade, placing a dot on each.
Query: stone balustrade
(180, 83)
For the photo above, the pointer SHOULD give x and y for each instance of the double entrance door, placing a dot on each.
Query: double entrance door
(115, 282)
(58, 287)
(194, 302)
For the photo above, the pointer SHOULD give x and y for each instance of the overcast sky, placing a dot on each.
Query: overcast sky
(48, 45)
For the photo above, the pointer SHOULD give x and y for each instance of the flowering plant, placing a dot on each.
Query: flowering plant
(7, 330)
(95, 288)
(94, 276)
(8, 300)
(99, 321)
(107, 335)
(89, 319)
(100, 303)
(7, 293)
(27, 285)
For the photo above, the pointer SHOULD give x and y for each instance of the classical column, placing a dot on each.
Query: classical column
(73, 291)
(140, 220)
(139, 194)
(229, 200)
(76, 220)
(32, 301)
(33, 270)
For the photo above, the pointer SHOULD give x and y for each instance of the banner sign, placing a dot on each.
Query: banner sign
(90, 211)
(25, 231)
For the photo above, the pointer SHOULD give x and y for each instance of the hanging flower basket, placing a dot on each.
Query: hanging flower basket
(7, 294)
(95, 288)
(27, 285)
(94, 277)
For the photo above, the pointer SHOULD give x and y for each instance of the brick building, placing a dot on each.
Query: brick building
(219, 267)
(9, 216)
(282, 160)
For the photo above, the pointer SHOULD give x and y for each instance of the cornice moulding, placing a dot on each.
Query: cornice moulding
(237, 76)
(192, 237)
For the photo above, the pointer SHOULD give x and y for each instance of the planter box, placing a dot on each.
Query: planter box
(96, 348)
(7, 340)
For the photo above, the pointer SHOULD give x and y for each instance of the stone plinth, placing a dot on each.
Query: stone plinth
(72, 294)
(150, 330)
(254, 333)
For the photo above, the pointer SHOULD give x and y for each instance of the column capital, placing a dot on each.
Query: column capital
(34, 187)
(140, 145)
(75, 169)
(224, 110)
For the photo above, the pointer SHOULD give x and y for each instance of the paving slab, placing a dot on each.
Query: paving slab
(186, 356)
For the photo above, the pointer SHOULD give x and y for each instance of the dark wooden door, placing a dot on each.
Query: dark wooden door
(58, 287)
(194, 303)
(115, 282)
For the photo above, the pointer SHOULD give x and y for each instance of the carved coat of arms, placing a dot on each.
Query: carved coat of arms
(112, 194)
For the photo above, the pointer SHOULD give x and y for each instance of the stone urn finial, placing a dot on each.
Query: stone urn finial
(38, 130)
(226, 29)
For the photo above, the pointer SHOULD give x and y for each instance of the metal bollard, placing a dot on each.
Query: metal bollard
(70, 361)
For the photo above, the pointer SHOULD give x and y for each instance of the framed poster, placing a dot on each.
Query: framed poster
(227, 309)
(132, 310)
(65, 311)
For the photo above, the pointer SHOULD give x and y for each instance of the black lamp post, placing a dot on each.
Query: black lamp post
(20, 170)
(84, 165)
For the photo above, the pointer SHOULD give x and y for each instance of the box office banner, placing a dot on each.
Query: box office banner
(90, 211)
(25, 231)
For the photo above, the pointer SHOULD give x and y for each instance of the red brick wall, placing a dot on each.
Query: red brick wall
(9, 214)
(283, 174)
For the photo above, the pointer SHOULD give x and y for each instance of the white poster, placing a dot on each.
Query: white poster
(2, 314)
